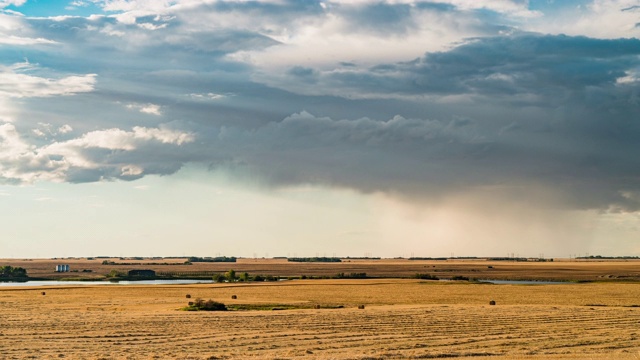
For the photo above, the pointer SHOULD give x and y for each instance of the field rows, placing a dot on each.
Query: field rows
(344, 333)
(143, 323)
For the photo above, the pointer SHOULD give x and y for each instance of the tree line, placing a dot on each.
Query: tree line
(10, 272)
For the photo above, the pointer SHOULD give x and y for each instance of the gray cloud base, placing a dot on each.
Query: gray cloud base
(505, 112)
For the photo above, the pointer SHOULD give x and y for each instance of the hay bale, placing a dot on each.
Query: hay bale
(44, 293)
(190, 303)
(188, 296)
(360, 306)
(492, 302)
(316, 306)
(234, 296)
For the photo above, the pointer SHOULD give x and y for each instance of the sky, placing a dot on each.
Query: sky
(387, 128)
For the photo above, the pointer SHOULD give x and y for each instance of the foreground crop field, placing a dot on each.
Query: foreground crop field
(401, 319)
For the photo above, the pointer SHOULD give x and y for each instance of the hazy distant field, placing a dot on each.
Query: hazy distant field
(402, 319)
(557, 270)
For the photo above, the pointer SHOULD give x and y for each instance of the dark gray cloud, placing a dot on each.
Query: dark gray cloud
(566, 122)
(427, 159)
(543, 66)
(380, 18)
(499, 111)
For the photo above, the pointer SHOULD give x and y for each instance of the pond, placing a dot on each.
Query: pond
(526, 282)
(139, 282)
(186, 282)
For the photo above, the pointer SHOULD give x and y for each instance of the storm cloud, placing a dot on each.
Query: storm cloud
(464, 98)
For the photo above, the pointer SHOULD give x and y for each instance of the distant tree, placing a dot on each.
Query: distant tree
(219, 278)
(231, 275)
(114, 274)
(245, 277)
(10, 272)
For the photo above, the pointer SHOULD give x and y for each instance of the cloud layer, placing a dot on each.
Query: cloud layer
(420, 99)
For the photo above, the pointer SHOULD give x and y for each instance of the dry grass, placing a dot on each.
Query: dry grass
(557, 270)
(402, 319)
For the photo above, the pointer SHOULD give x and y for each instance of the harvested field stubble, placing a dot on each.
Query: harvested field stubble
(403, 319)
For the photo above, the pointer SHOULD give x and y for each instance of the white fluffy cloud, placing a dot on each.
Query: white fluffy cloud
(14, 83)
(21, 162)
(151, 109)
(24, 162)
(14, 31)
(45, 130)
(5, 3)
(604, 19)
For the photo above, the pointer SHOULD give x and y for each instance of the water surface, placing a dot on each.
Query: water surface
(97, 282)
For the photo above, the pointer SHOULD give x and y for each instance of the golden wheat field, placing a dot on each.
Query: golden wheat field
(401, 319)
(481, 269)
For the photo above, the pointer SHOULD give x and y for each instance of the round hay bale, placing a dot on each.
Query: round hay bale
(492, 302)
(188, 296)
(234, 296)
(316, 306)
(44, 293)
(360, 306)
(190, 303)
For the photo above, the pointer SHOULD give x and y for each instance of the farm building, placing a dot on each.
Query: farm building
(142, 273)
(62, 268)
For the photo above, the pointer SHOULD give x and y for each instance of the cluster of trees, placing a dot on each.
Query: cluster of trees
(10, 272)
(351, 276)
(426, 277)
(607, 257)
(211, 259)
(314, 259)
(109, 262)
(231, 276)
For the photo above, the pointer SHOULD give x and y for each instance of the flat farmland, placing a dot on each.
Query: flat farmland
(401, 319)
(384, 268)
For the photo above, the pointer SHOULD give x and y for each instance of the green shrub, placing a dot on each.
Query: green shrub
(425, 277)
(114, 274)
(350, 276)
(459, 277)
(209, 305)
(10, 272)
